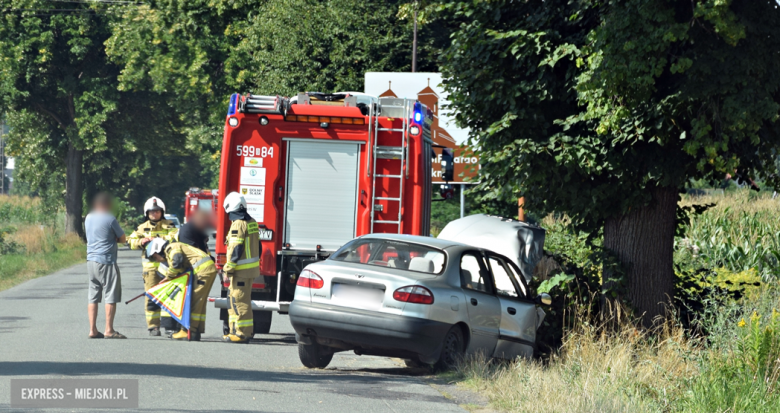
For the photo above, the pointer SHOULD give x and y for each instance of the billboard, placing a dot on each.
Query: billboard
(427, 88)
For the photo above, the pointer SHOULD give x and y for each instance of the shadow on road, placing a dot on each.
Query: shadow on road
(355, 383)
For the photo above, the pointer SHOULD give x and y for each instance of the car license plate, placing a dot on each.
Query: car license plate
(266, 234)
(357, 297)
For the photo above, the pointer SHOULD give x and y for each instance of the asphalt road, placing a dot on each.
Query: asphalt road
(43, 334)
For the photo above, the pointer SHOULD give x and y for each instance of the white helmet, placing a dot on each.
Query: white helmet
(155, 246)
(152, 204)
(234, 202)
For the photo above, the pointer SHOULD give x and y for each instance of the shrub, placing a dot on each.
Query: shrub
(7, 246)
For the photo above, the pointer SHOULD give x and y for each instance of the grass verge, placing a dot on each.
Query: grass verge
(18, 268)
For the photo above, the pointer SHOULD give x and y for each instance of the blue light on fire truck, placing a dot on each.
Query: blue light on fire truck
(418, 117)
(232, 105)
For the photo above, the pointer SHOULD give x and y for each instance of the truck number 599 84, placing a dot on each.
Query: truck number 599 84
(261, 151)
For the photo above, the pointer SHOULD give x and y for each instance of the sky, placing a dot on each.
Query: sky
(406, 85)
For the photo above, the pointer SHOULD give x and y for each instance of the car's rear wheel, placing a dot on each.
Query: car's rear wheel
(452, 349)
(314, 356)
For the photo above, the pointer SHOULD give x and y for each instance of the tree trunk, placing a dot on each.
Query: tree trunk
(643, 240)
(73, 191)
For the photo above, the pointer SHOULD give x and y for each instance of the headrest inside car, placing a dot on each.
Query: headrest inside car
(421, 264)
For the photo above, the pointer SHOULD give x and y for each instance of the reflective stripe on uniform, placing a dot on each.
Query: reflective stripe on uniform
(245, 323)
(152, 315)
(248, 263)
(198, 317)
(202, 263)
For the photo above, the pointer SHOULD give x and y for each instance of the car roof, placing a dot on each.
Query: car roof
(427, 241)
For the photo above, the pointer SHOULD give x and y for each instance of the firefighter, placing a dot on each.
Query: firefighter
(242, 266)
(156, 226)
(181, 257)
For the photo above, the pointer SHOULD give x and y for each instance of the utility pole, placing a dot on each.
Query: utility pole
(414, 41)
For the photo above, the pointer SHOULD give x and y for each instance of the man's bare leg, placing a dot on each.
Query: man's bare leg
(92, 310)
(110, 311)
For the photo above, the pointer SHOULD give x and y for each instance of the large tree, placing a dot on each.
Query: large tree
(71, 128)
(605, 109)
(54, 71)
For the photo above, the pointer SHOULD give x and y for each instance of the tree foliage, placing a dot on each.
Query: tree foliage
(205, 50)
(72, 129)
(585, 105)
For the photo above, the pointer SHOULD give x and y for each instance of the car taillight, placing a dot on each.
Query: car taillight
(413, 294)
(221, 260)
(310, 279)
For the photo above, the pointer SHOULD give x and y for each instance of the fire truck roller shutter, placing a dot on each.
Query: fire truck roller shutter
(322, 189)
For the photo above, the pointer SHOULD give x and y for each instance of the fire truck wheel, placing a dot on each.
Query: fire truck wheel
(314, 356)
(262, 321)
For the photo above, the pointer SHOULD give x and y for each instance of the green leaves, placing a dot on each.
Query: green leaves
(601, 102)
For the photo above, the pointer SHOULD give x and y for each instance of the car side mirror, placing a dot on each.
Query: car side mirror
(447, 164)
(543, 299)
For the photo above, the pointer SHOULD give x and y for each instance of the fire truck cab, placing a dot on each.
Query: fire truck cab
(318, 170)
(199, 199)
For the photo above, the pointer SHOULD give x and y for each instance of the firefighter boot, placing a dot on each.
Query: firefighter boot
(232, 338)
(154, 332)
(180, 335)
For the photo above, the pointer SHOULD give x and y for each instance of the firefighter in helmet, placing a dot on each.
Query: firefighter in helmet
(242, 266)
(155, 226)
(180, 258)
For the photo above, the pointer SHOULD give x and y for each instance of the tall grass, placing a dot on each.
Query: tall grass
(35, 241)
(595, 371)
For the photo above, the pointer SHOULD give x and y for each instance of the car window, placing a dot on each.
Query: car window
(504, 284)
(514, 272)
(472, 273)
(392, 254)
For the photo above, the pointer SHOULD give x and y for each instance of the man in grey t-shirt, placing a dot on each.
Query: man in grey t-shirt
(103, 233)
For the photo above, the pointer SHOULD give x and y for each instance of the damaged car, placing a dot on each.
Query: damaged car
(422, 299)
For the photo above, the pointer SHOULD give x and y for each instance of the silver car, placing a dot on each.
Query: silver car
(423, 299)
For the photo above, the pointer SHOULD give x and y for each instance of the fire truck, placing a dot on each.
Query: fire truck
(199, 199)
(317, 170)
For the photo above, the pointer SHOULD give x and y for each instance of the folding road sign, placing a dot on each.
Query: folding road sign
(174, 296)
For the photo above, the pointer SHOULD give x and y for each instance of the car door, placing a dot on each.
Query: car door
(484, 309)
(519, 317)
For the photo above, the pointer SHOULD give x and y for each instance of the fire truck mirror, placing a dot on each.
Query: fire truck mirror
(447, 164)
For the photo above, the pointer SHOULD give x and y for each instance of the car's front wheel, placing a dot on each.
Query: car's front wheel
(452, 349)
(314, 356)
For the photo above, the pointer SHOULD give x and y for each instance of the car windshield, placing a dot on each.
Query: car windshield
(392, 254)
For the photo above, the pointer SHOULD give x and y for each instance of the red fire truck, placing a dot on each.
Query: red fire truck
(318, 170)
(199, 199)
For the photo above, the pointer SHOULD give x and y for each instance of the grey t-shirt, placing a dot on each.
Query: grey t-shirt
(102, 232)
